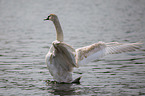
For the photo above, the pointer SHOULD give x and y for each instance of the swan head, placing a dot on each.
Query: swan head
(51, 17)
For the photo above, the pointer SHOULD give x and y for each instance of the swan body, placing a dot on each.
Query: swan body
(60, 61)
(62, 58)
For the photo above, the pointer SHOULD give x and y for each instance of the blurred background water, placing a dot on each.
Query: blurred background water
(25, 39)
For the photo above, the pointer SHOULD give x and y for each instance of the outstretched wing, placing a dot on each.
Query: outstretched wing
(100, 49)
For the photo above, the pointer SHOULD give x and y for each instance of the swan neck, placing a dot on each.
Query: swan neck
(59, 32)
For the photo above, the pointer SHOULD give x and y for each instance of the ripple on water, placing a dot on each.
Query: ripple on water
(25, 39)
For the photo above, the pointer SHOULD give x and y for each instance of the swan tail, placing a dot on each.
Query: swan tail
(77, 80)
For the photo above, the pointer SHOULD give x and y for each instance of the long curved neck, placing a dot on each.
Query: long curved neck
(59, 32)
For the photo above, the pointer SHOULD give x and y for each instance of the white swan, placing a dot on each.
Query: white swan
(62, 58)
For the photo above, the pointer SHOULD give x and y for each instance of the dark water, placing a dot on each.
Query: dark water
(25, 39)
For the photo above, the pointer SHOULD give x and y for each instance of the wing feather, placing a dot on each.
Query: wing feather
(64, 55)
(100, 49)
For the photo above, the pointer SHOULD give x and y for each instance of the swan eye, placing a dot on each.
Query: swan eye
(49, 17)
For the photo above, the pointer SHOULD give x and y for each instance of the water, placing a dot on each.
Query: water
(25, 39)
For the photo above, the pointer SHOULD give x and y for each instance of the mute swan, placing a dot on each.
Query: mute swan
(62, 58)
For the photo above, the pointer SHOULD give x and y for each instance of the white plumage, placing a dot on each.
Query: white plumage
(62, 58)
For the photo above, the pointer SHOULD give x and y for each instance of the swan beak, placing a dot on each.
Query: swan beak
(47, 18)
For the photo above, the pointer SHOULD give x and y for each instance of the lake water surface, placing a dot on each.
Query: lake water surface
(25, 40)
